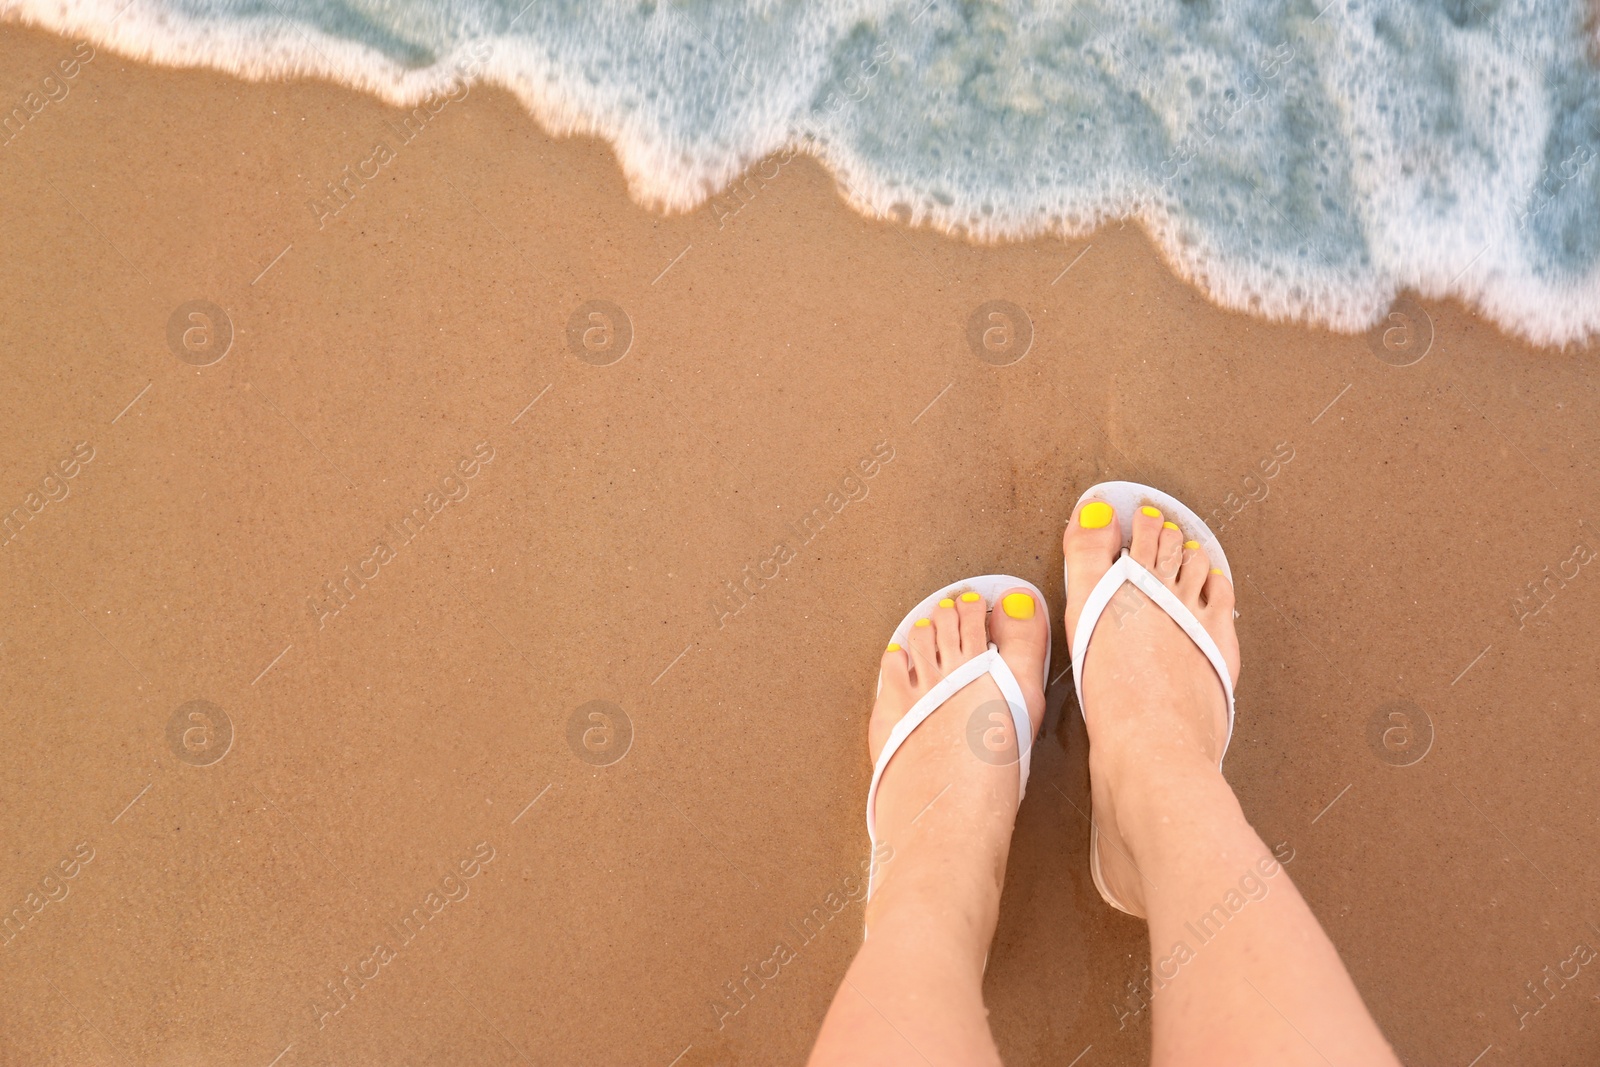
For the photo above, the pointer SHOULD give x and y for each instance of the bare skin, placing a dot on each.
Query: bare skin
(1245, 974)
(914, 994)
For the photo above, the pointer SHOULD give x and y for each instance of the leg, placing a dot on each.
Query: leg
(1242, 973)
(914, 993)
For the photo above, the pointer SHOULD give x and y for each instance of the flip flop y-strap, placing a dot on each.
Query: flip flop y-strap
(1127, 569)
(990, 663)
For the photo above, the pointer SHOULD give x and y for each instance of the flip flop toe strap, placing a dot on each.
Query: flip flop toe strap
(1125, 569)
(990, 663)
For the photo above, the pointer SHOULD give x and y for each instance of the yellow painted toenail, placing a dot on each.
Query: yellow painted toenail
(924, 622)
(1216, 570)
(892, 647)
(1154, 513)
(947, 603)
(970, 598)
(1018, 605)
(1095, 515)
(1191, 545)
(1168, 525)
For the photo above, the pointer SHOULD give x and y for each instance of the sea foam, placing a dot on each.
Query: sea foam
(1298, 161)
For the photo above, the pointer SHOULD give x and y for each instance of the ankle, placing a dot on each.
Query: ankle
(1135, 762)
(1148, 781)
(947, 866)
(944, 915)
(941, 871)
(1164, 790)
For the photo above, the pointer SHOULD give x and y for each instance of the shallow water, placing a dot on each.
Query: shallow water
(1297, 161)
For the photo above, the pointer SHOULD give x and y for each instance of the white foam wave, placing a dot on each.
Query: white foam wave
(1295, 161)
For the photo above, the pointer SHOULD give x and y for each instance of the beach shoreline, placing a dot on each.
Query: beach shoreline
(684, 473)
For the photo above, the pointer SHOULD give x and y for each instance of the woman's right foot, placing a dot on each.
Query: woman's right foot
(1152, 700)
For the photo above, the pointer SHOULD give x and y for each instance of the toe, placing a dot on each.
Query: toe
(897, 691)
(1093, 537)
(924, 650)
(1021, 631)
(1218, 593)
(1192, 573)
(972, 613)
(1216, 615)
(1169, 553)
(894, 672)
(1146, 536)
(1092, 541)
(947, 633)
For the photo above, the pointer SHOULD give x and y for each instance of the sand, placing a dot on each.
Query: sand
(402, 527)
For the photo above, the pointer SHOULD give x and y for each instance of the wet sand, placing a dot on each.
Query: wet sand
(363, 472)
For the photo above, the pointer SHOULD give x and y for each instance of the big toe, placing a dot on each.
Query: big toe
(1020, 628)
(1092, 542)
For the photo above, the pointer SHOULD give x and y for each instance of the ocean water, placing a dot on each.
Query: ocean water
(1297, 160)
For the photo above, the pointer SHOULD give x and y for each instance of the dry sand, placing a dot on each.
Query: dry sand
(386, 744)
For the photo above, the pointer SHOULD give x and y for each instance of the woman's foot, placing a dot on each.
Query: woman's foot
(944, 811)
(1157, 722)
(948, 799)
(1154, 702)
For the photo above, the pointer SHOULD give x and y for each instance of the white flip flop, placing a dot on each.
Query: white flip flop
(990, 587)
(1125, 499)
